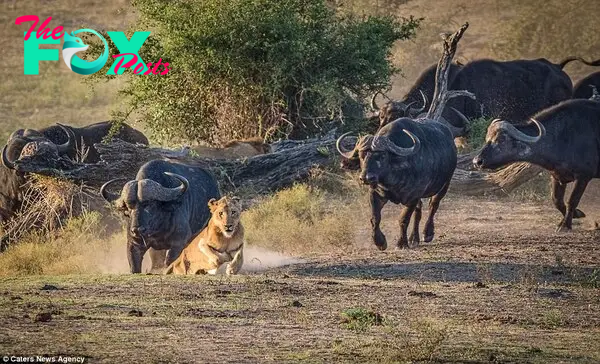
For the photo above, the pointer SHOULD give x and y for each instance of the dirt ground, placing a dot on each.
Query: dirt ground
(497, 285)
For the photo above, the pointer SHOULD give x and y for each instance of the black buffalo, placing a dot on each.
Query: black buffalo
(405, 161)
(583, 87)
(417, 99)
(564, 139)
(165, 206)
(77, 143)
(510, 90)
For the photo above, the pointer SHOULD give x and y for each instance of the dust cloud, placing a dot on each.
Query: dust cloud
(256, 259)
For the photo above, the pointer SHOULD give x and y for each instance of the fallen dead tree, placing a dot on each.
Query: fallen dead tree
(75, 186)
(263, 173)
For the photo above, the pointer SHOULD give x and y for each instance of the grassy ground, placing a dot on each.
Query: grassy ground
(516, 293)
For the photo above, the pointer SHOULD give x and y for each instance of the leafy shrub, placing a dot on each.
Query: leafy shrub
(263, 67)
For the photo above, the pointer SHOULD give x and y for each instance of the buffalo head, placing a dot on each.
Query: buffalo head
(374, 154)
(505, 144)
(24, 142)
(396, 109)
(148, 205)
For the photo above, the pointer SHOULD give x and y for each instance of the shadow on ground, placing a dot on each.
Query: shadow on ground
(452, 272)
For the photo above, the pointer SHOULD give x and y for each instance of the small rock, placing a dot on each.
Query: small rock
(422, 294)
(479, 285)
(297, 304)
(135, 313)
(49, 287)
(43, 317)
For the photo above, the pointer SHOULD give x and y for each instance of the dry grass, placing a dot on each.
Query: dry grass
(48, 203)
(301, 220)
(77, 250)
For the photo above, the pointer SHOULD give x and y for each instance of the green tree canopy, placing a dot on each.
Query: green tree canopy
(243, 68)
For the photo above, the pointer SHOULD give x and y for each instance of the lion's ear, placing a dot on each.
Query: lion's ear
(212, 204)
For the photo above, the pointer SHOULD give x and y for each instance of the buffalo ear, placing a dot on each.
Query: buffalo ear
(212, 204)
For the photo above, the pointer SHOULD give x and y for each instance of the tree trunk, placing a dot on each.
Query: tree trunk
(263, 173)
(292, 162)
(441, 94)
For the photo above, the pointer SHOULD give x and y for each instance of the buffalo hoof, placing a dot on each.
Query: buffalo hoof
(381, 247)
(379, 240)
(428, 232)
(578, 214)
(563, 228)
(414, 239)
(402, 243)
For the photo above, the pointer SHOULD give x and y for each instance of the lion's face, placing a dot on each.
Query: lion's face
(226, 214)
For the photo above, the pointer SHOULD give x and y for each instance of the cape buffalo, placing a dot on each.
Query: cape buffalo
(77, 143)
(564, 139)
(405, 161)
(583, 89)
(511, 90)
(416, 100)
(165, 206)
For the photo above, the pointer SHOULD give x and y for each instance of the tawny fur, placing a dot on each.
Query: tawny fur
(215, 246)
(235, 149)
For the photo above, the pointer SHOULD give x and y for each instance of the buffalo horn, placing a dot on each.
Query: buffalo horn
(68, 146)
(374, 106)
(151, 190)
(519, 135)
(384, 143)
(5, 161)
(348, 154)
(16, 133)
(418, 111)
(108, 196)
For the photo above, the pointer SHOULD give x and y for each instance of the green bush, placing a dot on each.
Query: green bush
(242, 68)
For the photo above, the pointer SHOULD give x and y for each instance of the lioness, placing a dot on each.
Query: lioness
(235, 149)
(221, 241)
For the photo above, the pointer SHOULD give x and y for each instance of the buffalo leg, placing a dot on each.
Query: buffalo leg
(578, 190)
(377, 204)
(179, 242)
(405, 216)
(157, 257)
(434, 204)
(558, 197)
(414, 237)
(135, 255)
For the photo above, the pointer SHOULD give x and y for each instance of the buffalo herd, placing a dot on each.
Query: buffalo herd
(539, 117)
